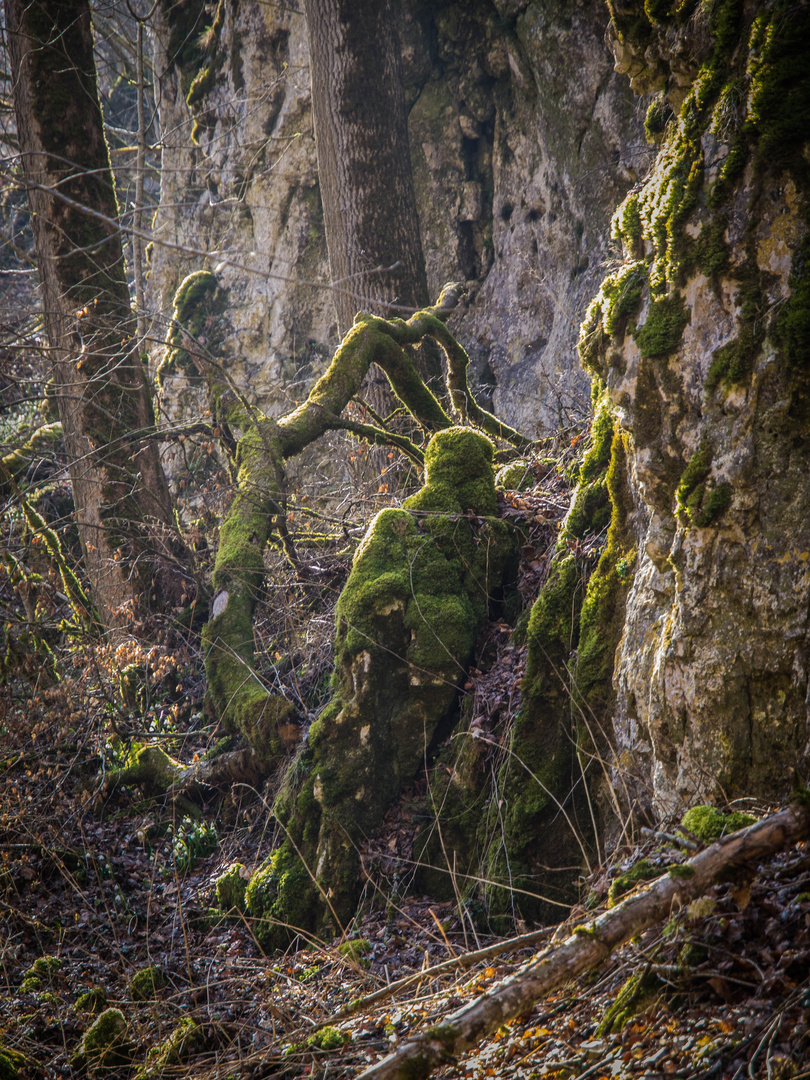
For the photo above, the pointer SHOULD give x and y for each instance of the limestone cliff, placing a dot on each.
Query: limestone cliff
(523, 141)
(701, 337)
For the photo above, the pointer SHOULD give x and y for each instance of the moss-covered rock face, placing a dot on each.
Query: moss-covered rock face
(407, 621)
(698, 337)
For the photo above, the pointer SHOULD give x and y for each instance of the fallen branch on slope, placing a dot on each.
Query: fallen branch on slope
(590, 944)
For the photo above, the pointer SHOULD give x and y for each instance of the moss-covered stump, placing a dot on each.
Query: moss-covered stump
(407, 622)
(105, 1046)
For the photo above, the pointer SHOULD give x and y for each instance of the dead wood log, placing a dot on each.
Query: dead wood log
(591, 943)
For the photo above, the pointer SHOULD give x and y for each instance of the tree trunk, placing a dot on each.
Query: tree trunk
(364, 163)
(123, 505)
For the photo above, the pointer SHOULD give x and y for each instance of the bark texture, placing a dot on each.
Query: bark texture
(124, 511)
(364, 163)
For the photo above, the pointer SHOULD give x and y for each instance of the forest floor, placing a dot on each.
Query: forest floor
(99, 885)
(87, 902)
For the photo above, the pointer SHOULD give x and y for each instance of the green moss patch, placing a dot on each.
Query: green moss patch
(663, 328)
(638, 994)
(638, 873)
(146, 983)
(708, 823)
(92, 1001)
(10, 1064)
(230, 889)
(184, 1040)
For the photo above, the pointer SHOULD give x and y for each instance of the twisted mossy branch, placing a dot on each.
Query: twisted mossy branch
(79, 600)
(45, 440)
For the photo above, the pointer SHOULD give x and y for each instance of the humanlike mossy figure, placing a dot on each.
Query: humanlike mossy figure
(235, 693)
(407, 622)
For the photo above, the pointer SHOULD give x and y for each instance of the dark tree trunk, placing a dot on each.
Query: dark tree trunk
(364, 164)
(122, 500)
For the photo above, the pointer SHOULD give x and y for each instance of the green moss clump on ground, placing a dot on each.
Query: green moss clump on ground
(708, 824)
(281, 897)
(641, 871)
(185, 1039)
(329, 1038)
(92, 1001)
(105, 1046)
(230, 889)
(516, 476)
(10, 1063)
(146, 983)
(355, 949)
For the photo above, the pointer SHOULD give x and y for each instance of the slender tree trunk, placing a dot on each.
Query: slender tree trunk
(122, 499)
(364, 163)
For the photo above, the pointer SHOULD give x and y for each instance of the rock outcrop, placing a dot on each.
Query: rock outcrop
(701, 337)
(523, 141)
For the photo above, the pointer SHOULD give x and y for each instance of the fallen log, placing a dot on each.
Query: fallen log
(591, 943)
